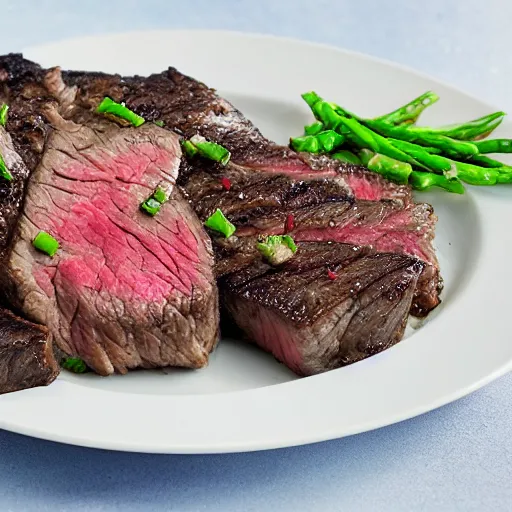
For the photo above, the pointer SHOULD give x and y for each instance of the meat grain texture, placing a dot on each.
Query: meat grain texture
(125, 290)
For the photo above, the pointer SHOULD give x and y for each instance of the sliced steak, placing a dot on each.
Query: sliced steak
(366, 306)
(383, 225)
(317, 209)
(313, 323)
(26, 355)
(250, 193)
(190, 107)
(125, 290)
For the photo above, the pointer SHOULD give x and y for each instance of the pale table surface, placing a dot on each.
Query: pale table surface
(456, 458)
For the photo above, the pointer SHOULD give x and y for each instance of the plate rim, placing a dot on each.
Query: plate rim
(171, 447)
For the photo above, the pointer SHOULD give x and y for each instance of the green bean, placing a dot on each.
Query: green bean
(469, 173)
(476, 129)
(330, 140)
(424, 138)
(494, 146)
(411, 145)
(505, 177)
(475, 175)
(347, 157)
(433, 162)
(314, 128)
(485, 161)
(323, 110)
(360, 135)
(390, 168)
(409, 113)
(324, 142)
(307, 143)
(425, 180)
(311, 98)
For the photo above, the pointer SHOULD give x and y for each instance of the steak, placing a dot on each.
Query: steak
(26, 355)
(269, 182)
(190, 107)
(313, 323)
(125, 290)
(350, 223)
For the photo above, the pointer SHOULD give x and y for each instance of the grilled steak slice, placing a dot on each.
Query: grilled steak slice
(26, 355)
(316, 209)
(383, 225)
(257, 192)
(11, 192)
(125, 290)
(313, 323)
(190, 107)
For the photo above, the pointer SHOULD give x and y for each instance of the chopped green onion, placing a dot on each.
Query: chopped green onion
(160, 195)
(211, 150)
(3, 114)
(151, 206)
(4, 172)
(189, 148)
(45, 242)
(109, 106)
(153, 203)
(160, 123)
(74, 364)
(277, 248)
(219, 223)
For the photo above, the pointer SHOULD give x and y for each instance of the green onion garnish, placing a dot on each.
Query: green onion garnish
(3, 114)
(4, 172)
(189, 148)
(45, 242)
(211, 150)
(109, 106)
(160, 123)
(153, 203)
(151, 206)
(219, 223)
(74, 364)
(160, 195)
(277, 248)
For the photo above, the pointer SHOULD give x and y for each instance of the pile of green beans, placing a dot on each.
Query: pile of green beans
(395, 147)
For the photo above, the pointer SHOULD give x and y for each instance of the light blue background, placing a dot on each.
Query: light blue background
(456, 458)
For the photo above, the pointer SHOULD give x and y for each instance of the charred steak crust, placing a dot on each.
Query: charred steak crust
(313, 323)
(26, 355)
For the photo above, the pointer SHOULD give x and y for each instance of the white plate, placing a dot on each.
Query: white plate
(245, 400)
